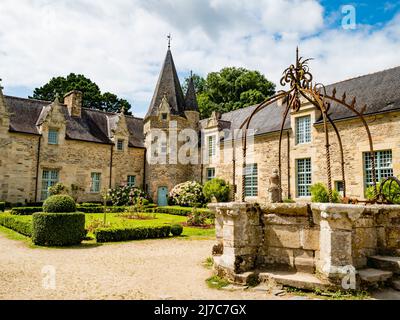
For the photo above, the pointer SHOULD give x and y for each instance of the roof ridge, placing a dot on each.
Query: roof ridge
(362, 76)
(111, 113)
(27, 99)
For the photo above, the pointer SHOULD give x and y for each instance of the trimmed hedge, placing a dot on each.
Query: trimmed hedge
(180, 211)
(2, 206)
(13, 223)
(25, 211)
(58, 229)
(59, 204)
(126, 234)
(90, 208)
(176, 230)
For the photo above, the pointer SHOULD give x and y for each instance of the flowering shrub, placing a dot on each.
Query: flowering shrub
(187, 194)
(125, 196)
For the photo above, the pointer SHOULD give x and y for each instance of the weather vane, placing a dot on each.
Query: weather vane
(169, 40)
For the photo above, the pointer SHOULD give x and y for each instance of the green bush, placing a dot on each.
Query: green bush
(187, 194)
(126, 234)
(393, 191)
(58, 189)
(176, 230)
(2, 206)
(59, 204)
(58, 229)
(25, 211)
(16, 224)
(180, 211)
(320, 194)
(217, 188)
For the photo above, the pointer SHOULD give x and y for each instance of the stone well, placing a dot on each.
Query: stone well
(318, 239)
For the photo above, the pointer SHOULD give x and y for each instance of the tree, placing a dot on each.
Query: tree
(92, 96)
(230, 89)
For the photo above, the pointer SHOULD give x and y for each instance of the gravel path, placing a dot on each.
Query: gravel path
(153, 269)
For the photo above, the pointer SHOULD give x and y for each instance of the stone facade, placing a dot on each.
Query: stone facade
(24, 157)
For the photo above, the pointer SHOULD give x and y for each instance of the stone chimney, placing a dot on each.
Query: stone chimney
(73, 101)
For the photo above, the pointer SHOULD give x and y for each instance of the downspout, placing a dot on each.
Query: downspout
(288, 163)
(37, 168)
(111, 166)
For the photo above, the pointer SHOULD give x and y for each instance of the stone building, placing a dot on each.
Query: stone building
(44, 142)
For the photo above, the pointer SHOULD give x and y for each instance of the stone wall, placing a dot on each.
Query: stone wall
(316, 238)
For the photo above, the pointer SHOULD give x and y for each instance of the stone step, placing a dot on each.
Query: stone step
(387, 263)
(298, 280)
(374, 275)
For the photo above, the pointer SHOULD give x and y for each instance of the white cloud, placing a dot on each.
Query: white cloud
(121, 44)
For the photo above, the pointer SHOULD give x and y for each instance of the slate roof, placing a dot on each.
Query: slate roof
(379, 91)
(190, 99)
(93, 126)
(168, 84)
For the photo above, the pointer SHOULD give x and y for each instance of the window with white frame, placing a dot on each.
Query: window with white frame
(49, 179)
(210, 174)
(120, 145)
(53, 136)
(164, 147)
(383, 166)
(211, 146)
(303, 177)
(251, 180)
(303, 129)
(131, 181)
(96, 182)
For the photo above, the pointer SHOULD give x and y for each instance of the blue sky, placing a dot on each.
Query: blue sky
(121, 44)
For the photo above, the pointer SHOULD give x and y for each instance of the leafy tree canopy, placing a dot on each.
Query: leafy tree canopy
(230, 89)
(92, 96)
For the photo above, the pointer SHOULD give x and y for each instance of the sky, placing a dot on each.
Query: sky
(121, 44)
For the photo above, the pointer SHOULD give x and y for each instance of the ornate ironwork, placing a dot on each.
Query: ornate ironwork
(300, 80)
(389, 191)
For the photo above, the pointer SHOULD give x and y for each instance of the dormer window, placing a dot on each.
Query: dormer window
(164, 116)
(120, 145)
(53, 136)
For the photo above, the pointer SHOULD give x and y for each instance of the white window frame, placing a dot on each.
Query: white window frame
(212, 147)
(383, 166)
(120, 145)
(303, 129)
(303, 177)
(251, 180)
(95, 185)
(53, 134)
(50, 177)
(131, 183)
(212, 175)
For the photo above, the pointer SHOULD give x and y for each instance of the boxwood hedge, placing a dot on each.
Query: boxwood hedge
(59, 204)
(16, 224)
(180, 211)
(126, 234)
(25, 211)
(58, 229)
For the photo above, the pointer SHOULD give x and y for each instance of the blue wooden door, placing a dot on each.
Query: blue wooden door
(162, 196)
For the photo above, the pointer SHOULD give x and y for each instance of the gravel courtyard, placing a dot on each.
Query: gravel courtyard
(153, 269)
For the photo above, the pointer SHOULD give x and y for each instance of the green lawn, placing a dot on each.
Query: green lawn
(160, 219)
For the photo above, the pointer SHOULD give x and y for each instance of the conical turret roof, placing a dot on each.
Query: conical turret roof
(168, 85)
(191, 99)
